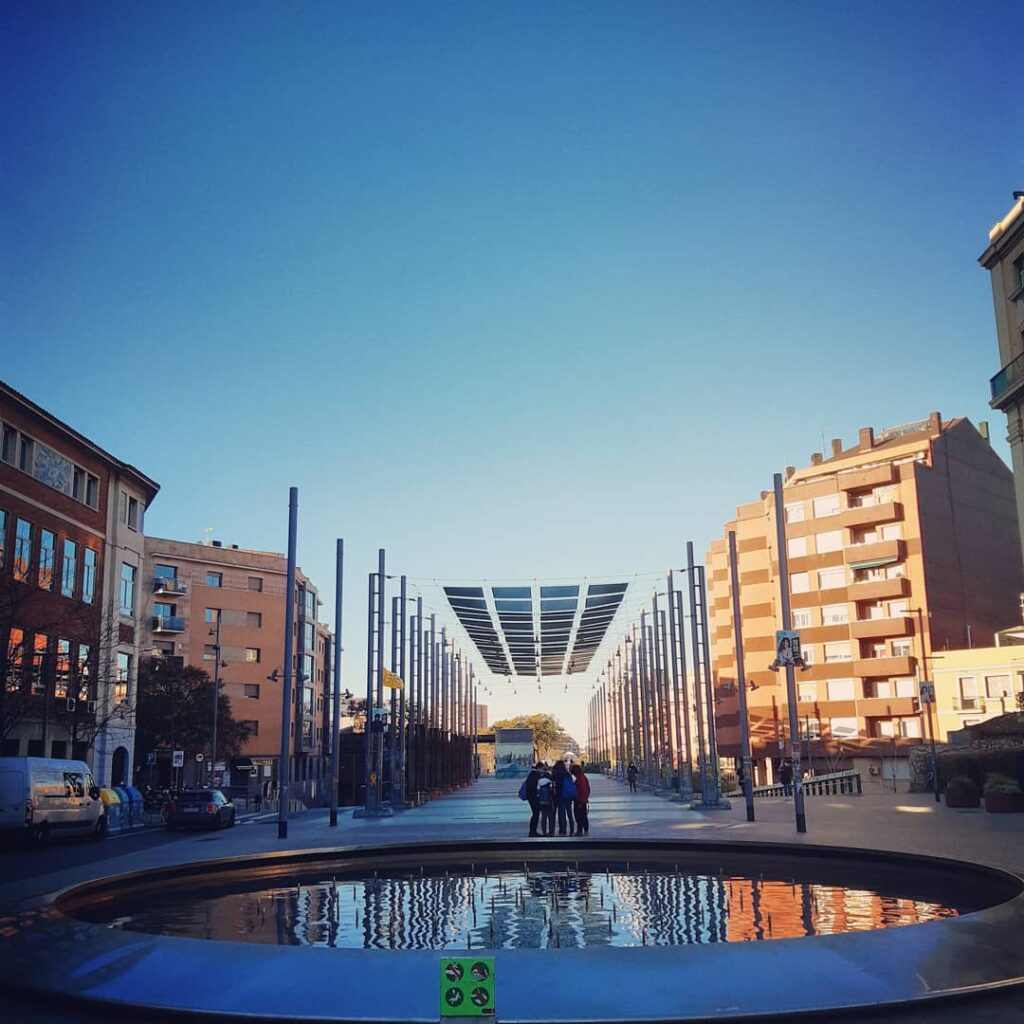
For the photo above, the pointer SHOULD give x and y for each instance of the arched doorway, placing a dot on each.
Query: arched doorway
(119, 769)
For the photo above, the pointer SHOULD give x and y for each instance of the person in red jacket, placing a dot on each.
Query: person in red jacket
(582, 799)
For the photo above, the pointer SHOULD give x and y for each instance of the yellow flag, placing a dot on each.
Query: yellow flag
(391, 681)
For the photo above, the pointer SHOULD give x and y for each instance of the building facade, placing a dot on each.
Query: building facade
(901, 546)
(195, 589)
(1004, 260)
(976, 684)
(71, 559)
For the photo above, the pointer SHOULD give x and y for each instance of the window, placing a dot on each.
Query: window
(62, 669)
(256, 584)
(252, 691)
(896, 572)
(795, 512)
(827, 506)
(124, 677)
(215, 579)
(308, 667)
(796, 546)
(885, 727)
(310, 604)
(803, 618)
(89, 575)
(807, 652)
(307, 700)
(254, 620)
(252, 726)
(47, 558)
(130, 510)
(252, 655)
(832, 579)
(83, 690)
(165, 572)
(835, 614)
(3, 536)
(905, 687)
(910, 727)
(799, 583)
(308, 636)
(810, 729)
(901, 648)
(22, 549)
(831, 540)
(92, 491)
(85, 487)
(127, 589)
(15, 660)
(891, 531)
(209, 652)
(843, 728)
(837, 652)
(868, 575)
(26, 454)
(897, 608)
(841, 689)
(40, 664)
(9, 445)
(880, 688)
(806, 693)
(968, 687)
(163, 609)
(210, 615)
(879, 651)
(69, 569)
(997, 686)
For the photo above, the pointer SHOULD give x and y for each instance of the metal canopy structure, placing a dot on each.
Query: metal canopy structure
(537, 630)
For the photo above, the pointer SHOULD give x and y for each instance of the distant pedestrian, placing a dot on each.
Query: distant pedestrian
(546, 800)
(580, 807)
(786, 778)
(530, 791)
(631, 777)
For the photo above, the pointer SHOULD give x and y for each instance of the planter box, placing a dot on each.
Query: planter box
(1004, 803)
(962, 801)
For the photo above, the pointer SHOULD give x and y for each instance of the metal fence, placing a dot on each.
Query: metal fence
(847, 783)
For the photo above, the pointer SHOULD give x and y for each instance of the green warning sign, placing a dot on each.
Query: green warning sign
(467, 986)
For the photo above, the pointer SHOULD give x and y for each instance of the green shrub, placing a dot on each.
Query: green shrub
(995, 782)
(960, 787)
(978, 764)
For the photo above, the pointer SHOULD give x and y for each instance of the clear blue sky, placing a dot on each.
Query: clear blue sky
(514, 290)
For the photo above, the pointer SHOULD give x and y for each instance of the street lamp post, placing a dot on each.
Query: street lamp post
(922, 671)
(215, 633)
(741, 681)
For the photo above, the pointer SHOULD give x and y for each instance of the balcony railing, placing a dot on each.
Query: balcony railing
(968, 704)
(166, 585)
(168, 624)
(1007, 379)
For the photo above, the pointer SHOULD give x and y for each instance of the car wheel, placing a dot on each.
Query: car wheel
(42, 834)
(101, 827)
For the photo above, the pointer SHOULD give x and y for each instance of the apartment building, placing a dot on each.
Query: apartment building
(194, 589)
(71, 556)
(1004, 260)
(976, 684)
(903, 545)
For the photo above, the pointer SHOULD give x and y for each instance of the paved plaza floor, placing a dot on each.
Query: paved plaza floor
(490, 809)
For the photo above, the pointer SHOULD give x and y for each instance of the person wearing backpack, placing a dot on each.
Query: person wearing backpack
(546, 801)
(582, 799)
(528, 791)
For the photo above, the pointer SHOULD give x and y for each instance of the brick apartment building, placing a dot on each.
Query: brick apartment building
(188, 588)
(71, 555)
(903, 545)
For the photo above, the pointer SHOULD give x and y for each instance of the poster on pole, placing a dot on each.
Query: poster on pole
(927, 692)
(787, 650)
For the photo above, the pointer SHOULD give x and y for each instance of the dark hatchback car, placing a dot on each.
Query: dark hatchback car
(200, 808)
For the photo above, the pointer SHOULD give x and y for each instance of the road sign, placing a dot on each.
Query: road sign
(927, 692)
(467, 986)
(199, 757)
(220, 766)
(151, 757)
(178, 759)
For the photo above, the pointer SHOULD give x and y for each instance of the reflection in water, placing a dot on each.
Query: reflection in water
(555, 907)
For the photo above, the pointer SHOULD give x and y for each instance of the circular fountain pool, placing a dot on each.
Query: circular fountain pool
(651, 931)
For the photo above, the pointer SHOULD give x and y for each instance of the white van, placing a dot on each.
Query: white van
(43, 797)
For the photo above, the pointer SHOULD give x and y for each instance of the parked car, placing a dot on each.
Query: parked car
(41, 797)
(200, 808)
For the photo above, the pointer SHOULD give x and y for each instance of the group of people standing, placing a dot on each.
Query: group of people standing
(562, 792)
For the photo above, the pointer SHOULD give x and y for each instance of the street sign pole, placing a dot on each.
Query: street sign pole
(283, 772)
(927, 696)
(741, 681)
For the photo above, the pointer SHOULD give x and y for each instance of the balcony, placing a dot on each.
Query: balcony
(969, 705)
(899, 665)
(869, 515)
(861, 479)
(168, 624)
(866, 629)
(165, 585)
(886, 707)
(879, 590)
(1008, 384)
(866, 556)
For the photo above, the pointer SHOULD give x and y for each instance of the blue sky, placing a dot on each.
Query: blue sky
(513, 290)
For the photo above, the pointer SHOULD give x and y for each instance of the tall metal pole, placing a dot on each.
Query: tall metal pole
(645, 702)
(671, 707)
(794, 746)
(634, 697)
(434, 665)
(339, 590)
(379, 745)
(283, 773)
(702, 758)
(673, 641)
(659, 706)
(216, 699)
(709, 684)
(403, 730)
(922, 673)
(684, 694)
(741, 681)
(368, 733)
(420, 763)
(393, 708)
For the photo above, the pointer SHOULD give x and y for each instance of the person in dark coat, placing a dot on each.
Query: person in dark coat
(546, 800)
(564, 804)
(582, 800)
(631, 777)
(531, 795)
(786, 777)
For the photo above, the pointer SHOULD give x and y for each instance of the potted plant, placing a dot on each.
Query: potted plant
(1003, 795)
(962, 792)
